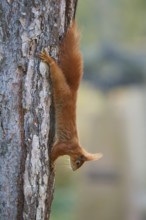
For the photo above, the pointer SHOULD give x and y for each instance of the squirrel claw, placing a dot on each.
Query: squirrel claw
(45, 57)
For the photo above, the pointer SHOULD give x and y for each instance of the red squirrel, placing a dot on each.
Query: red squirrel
(66, 79)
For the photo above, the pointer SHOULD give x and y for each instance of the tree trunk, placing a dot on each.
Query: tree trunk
(26, 107)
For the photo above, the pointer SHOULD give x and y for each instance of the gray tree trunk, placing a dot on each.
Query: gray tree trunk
(26, 107)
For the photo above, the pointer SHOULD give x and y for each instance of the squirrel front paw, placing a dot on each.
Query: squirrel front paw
(45, 57)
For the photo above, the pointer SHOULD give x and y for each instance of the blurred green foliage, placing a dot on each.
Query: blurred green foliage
(65, 197)
(63, 204)
(113, 36)
(114, 20)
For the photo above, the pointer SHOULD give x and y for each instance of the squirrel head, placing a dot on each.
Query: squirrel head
(80, 156)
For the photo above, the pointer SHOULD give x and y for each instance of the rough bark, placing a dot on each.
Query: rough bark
(26, 106)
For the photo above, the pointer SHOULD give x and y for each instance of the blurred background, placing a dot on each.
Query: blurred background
(111, 116)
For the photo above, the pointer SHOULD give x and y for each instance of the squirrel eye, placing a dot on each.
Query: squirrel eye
(78, 162)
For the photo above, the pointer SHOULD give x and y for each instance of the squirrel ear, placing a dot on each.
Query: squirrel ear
(89, 156)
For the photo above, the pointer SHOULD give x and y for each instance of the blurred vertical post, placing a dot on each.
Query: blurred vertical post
(135, 140)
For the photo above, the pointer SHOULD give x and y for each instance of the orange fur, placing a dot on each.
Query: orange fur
(66, 79)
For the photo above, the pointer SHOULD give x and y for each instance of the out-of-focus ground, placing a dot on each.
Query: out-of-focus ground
(111, 117)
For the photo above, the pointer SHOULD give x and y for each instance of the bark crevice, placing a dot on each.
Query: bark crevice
(20, 182)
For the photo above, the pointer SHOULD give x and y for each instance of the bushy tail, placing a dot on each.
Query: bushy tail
(70, 57)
